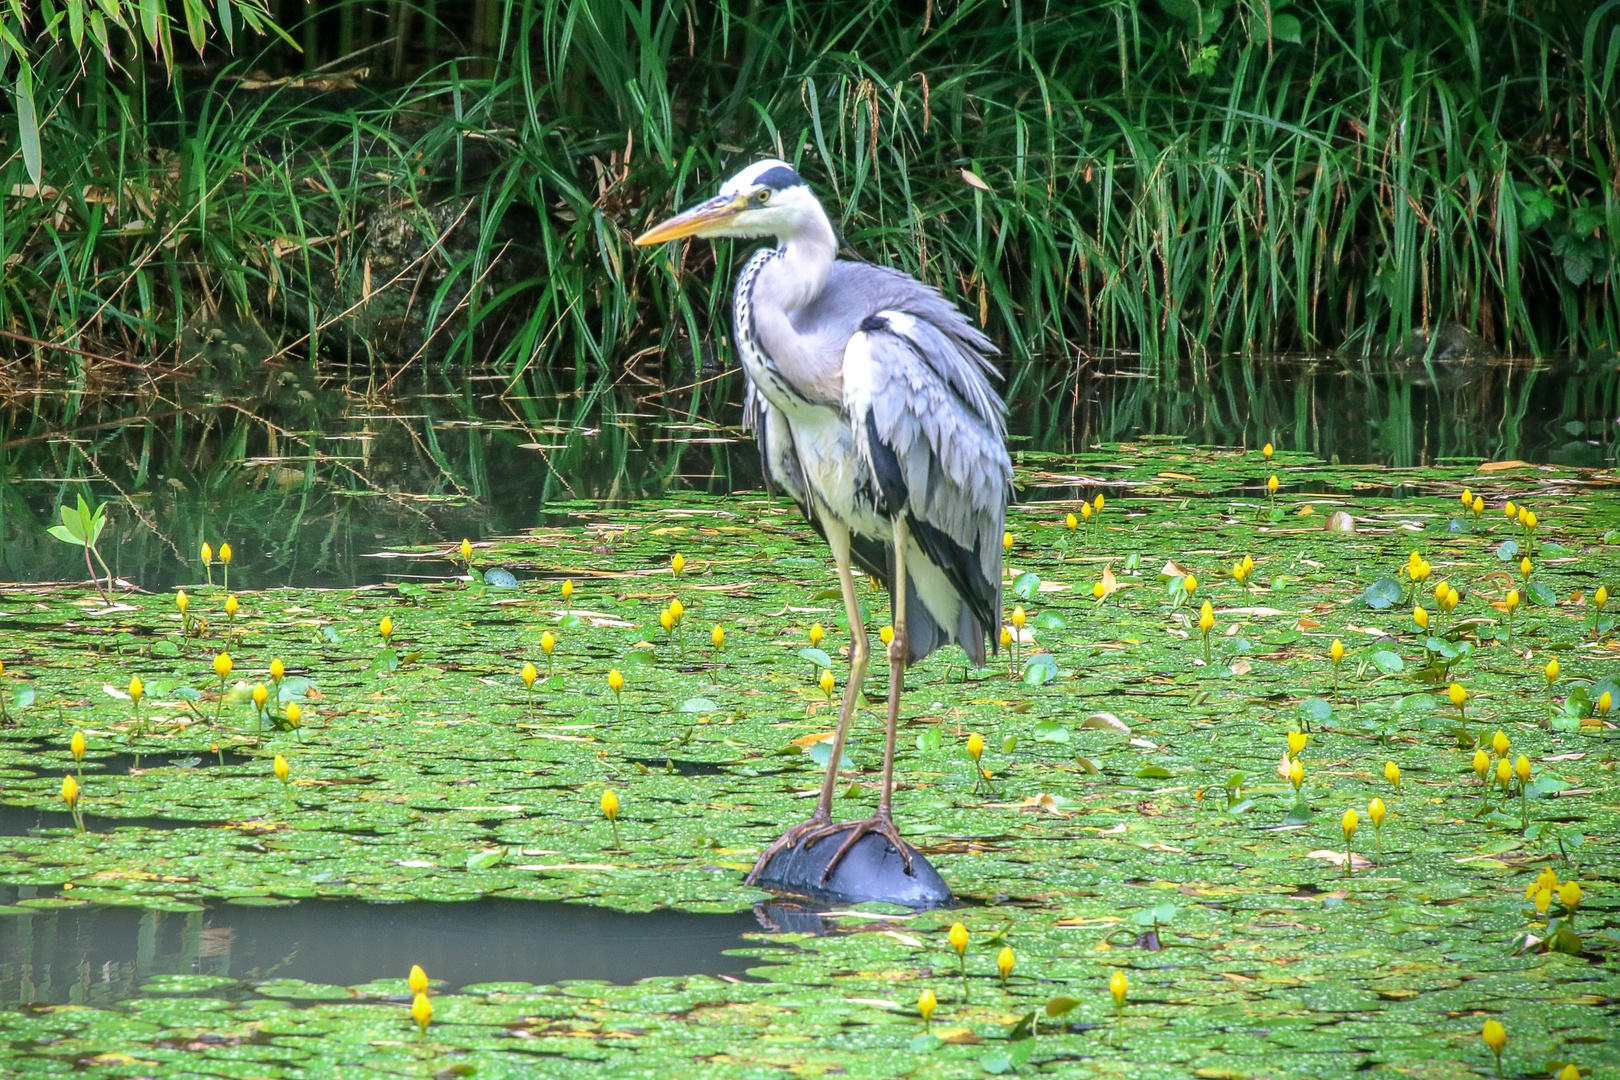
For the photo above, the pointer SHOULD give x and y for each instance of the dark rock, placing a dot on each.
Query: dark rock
(873, 870)
(1453, 344)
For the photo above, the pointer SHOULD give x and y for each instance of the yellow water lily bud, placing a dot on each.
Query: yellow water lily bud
(1006, 636)
(1296, 742)
(1005, 961)
(207, 553)
(1097, 503)
(1296, 774)
(1521, 768)
(231, 605)
(1500, 743)
(70, 791)
(282, 769)
(1482, 762)
(1423, 570)
(610, 805)
(1552, 671)
(975, 746)
(222, 665)
(678, 563)
(1504, 772)
(1421, 617)
(1495, 1036)
(1266, 451)
(1479, 505)
(886, 635)
(1271, 485)
(225, 553)
(926, 1003)
(1206, 617)
(1510, 511)
(385, 627)
(718, 635)
(1524, 566)
(1440, 592)
(1071, 522)
(1349, 822)
(295, 714)
(1452, 596)
(1605, 702)
(1531, 521)
(567, 589)
(1569, 894)
(816, 634)
(1098, 591)
(277, 669)
(1336, 651)
(1467, 498)
(260, 695)
(615, 681)
(1375, 810)
(1018, 618)
(958, 937)
(547, 642)
(1006, 541)
(1085, 511)
(418, 980)
(1601, 597)
(466, 549)
(76, 745)
(1457, 694)
(1511, 600)
(181, 601)
(826, 682)
(528, 674)
(136, 688)
(422, 1011)
(1392, 773)
(666, 619)
(1119, 986)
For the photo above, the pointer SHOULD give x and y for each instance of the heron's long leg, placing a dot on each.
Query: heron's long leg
(860, 653)
(882, 822)
(897, 671)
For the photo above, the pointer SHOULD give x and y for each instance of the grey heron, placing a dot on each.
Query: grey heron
(869, 395)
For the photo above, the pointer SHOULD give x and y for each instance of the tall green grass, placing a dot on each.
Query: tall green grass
(1141, 181)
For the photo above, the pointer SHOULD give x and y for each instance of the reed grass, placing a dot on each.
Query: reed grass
(1139, 184)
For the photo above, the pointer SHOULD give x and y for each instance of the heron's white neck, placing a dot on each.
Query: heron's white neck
(807, 258)
(787, 283)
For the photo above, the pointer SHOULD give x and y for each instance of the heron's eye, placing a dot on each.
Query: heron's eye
(764, 195)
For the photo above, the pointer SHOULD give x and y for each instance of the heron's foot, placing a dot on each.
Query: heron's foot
(881, 823)
(789, 839)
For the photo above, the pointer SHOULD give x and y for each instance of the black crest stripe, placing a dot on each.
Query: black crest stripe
(778, 178)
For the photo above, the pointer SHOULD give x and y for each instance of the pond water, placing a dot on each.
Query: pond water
(101, 954)
(310, 474)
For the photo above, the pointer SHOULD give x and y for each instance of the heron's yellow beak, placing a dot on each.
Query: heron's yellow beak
(694, 221)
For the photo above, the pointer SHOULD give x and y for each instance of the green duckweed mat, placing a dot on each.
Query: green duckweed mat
(1137, 815)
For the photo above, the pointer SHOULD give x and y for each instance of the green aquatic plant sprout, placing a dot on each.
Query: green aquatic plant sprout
(82, 527)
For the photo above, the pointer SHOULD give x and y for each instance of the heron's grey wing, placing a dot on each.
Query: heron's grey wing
(934, 436)
(956, 350)
(779, 459)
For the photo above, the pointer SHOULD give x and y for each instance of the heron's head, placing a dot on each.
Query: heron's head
(766, 199)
